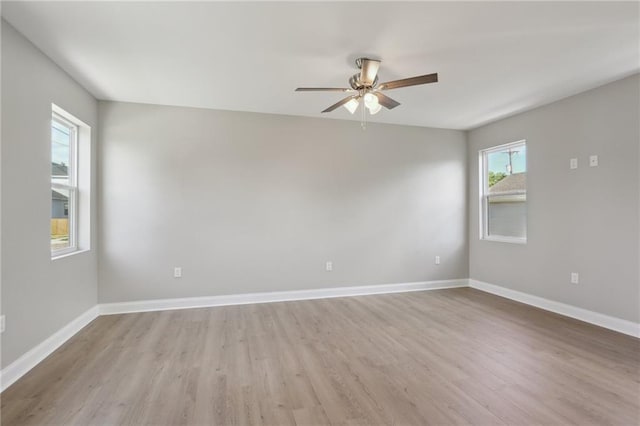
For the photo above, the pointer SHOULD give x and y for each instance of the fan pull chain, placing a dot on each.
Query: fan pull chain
(363, 122)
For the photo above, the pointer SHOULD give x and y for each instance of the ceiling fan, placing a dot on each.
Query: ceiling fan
(364, 85)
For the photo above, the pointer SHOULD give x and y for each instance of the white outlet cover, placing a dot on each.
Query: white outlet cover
(2, 323)
(177, 272)
(329, 266)
(573, 163)
(593, 161)
(575, 278)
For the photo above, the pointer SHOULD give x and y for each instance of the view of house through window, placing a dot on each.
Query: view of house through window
(504, 192)
(64, 190)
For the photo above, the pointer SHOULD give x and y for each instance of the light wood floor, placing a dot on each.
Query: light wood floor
(455, 356)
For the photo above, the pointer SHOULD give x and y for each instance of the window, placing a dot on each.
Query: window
(70, 184)
(64, 186)
(503, 193)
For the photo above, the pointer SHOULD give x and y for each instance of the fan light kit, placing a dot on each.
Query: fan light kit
(365, 87)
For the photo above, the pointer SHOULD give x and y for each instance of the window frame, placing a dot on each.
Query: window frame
(72, 185)
(483, 155)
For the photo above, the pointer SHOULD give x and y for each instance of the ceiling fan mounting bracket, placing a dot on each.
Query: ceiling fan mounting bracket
(359, 61)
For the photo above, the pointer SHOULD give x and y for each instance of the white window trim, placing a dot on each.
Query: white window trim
(484, 189)
(82, 135)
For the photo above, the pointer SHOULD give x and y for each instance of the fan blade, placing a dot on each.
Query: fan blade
(386, 101)
(369, 71)
(413, 81)
(323, 89)
(339, 104)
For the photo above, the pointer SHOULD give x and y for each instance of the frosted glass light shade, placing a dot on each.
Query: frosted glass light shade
(352, 105)
(370, 100)
(376, 109)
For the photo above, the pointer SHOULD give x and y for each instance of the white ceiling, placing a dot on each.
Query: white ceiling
(493, 59)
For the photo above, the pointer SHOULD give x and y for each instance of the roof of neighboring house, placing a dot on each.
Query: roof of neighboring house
(55, 195)
(59, 169)
(514, 182)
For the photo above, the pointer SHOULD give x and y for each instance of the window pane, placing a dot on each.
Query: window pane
(60, 206)
(507, 215)
(506, 197)
(506, 162)
(60, 152)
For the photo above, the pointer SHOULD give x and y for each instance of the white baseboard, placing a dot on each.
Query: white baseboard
(276, 296)
(602, 320)
(26, 362)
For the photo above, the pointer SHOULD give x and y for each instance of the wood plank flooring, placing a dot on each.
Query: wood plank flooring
(457, 356)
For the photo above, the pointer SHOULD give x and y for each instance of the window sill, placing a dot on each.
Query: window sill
(498, 239)
(68, 254)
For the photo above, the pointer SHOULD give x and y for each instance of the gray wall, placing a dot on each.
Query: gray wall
(249, 202)
(39, 296)
(583, 220)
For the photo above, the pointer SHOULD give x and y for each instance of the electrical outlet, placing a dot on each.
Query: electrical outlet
(437, 260)
(575, 278)
(2, 323)
(593, 161)
(177, 272)
(573, 163)
(328, 266)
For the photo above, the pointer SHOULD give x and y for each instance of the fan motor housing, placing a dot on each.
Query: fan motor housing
(357, 84)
